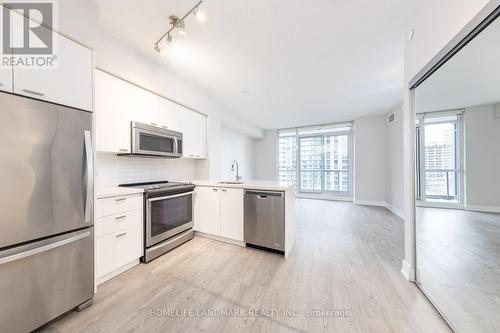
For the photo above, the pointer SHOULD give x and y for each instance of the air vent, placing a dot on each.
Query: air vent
(391, 118)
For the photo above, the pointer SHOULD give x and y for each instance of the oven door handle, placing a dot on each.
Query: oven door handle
(171, 196)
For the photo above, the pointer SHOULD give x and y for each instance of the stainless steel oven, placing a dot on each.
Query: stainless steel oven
(168, 216)
(149, 140)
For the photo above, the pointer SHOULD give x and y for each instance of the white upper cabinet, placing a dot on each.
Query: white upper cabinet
(155, 110)
(231, 213)
(6, 79)
(194, 127)
(119, 102)
(6, 73)
(113, 111)
(69, 83)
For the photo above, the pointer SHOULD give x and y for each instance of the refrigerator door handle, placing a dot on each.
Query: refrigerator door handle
(43, 248)
(90, 176)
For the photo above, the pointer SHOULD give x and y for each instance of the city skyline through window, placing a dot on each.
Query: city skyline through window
(318, 160)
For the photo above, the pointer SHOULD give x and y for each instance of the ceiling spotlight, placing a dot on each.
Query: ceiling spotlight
(199, 14)
(179, 25)
(163, 45)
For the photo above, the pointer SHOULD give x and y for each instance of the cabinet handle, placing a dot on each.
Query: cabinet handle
(215, 189)
(120, 199)
(123, 149)
(33, 92)
(121, 235)
(224, 190)
(120, 217)
(154, 124)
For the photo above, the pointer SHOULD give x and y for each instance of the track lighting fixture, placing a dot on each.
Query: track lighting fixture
(178, 25)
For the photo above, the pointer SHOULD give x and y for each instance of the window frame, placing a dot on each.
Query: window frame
(323, 134)
(422, 198)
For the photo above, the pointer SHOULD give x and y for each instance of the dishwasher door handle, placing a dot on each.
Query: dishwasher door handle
(264, 194)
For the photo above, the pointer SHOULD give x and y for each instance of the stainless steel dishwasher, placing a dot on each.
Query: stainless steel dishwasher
(265, 219)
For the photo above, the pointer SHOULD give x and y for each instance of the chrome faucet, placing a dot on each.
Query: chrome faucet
(238, 177)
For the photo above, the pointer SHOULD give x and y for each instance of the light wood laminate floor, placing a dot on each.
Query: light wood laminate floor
(346, 258)
(458, 260)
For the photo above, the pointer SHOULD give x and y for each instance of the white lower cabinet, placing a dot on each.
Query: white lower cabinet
(119, 235)
(219, 212)
(117, 250)
(231, 213)
(207, 210)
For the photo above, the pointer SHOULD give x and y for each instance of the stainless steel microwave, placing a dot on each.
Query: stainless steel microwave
(150, 140)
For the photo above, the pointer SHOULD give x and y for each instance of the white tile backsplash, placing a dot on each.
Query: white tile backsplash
(112, 170)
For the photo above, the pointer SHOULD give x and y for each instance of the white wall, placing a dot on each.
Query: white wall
(435, 23)
(236, 146)
(112, 170)
(267, 156)
(118, 58)
(79, 20)
(482, 158)
(394, 161)
(370, 160)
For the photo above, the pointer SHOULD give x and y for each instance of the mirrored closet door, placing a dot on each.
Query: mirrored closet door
(457, 182)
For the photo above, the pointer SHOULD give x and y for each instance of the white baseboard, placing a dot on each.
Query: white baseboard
(408, 271)
(484, 209)
(117, 272)
(220, 239)
(390, 207)
(322, 197)
(395, 210)
(370, 203)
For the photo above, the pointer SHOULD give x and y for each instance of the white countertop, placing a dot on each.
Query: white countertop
(116, 191)
(249, 185)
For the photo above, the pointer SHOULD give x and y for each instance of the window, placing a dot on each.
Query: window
(317, 158)
(336, 169)
(287, 151)
(439, 175)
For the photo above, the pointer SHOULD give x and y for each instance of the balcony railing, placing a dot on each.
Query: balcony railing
(441, 184)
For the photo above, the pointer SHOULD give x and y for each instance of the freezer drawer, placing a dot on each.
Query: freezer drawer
(265, 219)
(42, 280)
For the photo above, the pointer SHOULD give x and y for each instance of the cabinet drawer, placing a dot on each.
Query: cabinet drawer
(114, 223)
(118, 249)
(117, 205)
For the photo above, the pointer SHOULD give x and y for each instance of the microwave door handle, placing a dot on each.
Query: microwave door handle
(90, 176)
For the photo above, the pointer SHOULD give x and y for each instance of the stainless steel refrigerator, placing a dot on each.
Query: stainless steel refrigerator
(46, 212)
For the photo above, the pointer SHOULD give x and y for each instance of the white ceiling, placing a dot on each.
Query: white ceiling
(301, 62)
(470, 78)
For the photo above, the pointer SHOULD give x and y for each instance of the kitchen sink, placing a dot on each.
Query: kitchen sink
(231, 183)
